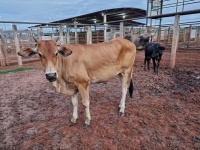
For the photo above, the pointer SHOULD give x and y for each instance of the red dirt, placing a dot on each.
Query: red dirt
(163, 114)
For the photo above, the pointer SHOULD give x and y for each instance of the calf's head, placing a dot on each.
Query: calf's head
(48, 52)
(160, 51)
(157, 53)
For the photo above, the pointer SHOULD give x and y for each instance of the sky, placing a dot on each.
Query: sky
(53, 10)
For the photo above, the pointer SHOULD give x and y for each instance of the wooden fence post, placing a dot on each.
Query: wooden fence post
(105, 27)
(68, 36)
(19, 59)
(168, 36)
(198, 37)
(89, 35)
(4, 47)
(60, 34)
(121, 29)
(113, 33)
(189, 36)
(76, 34)
(175, 40)
(2, 59)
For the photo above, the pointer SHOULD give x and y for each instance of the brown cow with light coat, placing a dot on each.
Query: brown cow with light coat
(72, 68)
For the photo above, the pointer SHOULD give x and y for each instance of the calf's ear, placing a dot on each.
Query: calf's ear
(27, 53)
(63, 51)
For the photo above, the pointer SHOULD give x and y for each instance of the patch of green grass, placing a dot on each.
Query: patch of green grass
(14, 70)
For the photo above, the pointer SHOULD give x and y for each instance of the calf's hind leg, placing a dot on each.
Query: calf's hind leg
(125, 78)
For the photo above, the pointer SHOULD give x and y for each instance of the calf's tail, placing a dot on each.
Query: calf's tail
(131, 88)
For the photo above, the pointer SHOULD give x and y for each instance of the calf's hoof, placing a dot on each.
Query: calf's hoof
(121, 114)
(85, 125)
(118, 108)
(71, 123)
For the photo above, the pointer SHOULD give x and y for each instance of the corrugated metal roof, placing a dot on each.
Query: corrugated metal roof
(114, 16)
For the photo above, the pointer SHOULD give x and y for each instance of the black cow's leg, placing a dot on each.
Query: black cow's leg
(145, 60)
(148, 62)
(157, 66)
(154, 65)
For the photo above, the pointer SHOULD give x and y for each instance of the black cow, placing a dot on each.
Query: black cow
(154, 51)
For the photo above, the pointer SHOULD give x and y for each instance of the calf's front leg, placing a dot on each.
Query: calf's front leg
(84, 91)
(74, 99)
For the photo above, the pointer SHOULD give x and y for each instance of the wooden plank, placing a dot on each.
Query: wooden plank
(19, 59)
(175, 40)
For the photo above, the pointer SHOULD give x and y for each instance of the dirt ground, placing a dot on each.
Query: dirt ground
(163, 114)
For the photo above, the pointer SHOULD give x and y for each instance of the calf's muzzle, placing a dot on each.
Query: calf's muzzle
(51, 76)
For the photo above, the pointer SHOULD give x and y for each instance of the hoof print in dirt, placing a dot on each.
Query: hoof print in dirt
(86, 126)
(71, 123)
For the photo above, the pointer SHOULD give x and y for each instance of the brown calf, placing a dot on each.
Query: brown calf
(72, 68)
